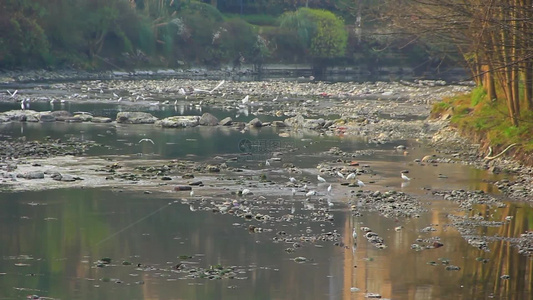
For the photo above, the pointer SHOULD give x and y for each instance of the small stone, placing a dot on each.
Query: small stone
(182, 188)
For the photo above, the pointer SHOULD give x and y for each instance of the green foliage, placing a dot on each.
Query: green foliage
(477, 95)
(286, 44)
(146, 39)
(256, 19)
(319, 31)
(330, 38)
(237, 36)
(22, 38)
(207, 11)
(302, 23)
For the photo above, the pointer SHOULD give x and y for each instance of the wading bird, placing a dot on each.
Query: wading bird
(320, 178)
(404, 177)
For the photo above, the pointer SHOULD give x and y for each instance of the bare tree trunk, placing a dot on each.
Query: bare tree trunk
(488, 82)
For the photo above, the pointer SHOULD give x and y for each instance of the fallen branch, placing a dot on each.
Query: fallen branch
(489, 157)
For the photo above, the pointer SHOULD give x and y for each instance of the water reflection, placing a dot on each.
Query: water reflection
(52, 240)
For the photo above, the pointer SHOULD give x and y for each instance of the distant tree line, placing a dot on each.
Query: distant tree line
(174, 33)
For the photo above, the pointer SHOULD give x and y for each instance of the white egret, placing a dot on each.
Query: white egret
(354, 234)
(146, 140)
(350, 176)
(404, 177)
(246, 99)
(267, 163)
(293, 191)
(181, 91)
(310, 193)
(330, 203)
(115, 95)
(245, 192)
(192, 193)
(320, 178)
(292, 179)
(340, 174)
(360, 183)
(329, 189)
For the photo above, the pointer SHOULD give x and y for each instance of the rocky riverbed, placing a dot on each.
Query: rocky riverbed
(381, 112)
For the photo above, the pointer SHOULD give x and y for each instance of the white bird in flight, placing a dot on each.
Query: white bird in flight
(320, 178)
(12, 94)
(146, 140)
(200, 91)
(404, 177)
(216, 87)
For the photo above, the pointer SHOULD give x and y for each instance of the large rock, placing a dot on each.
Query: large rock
(226, 121)
(84, 117)
(135, 117)
(101, 120)
(178, 121)
(33, 175)
(22, 115)
(47, 117)
(296, 121)
(278, 124)
(208, 119)
(314, 123)
(255, 123)
(61, 115)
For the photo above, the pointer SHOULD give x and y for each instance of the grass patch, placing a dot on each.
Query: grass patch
(474, 113)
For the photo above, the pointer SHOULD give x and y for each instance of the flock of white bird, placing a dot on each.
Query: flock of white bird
(321, 180)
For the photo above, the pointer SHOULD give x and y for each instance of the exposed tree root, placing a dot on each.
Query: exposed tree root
(489, 157)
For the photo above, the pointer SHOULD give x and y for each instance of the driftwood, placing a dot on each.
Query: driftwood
(489, 157)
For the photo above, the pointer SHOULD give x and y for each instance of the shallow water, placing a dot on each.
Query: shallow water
(51, 240)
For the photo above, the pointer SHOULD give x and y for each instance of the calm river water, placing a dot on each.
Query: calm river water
(51, 241)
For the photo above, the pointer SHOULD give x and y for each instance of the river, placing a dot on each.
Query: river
(123, 240)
